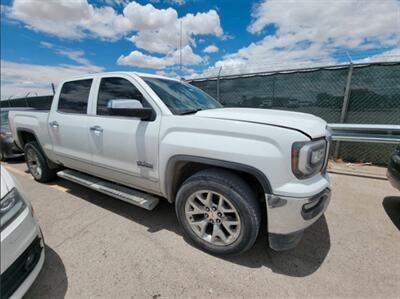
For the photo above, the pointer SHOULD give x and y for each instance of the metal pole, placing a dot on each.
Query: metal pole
(345, 106)
(26, 99)
(180, 49)
(219, 75)
(273, 91)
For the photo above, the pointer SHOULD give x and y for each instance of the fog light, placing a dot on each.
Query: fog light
(29, 261)
(312, 204)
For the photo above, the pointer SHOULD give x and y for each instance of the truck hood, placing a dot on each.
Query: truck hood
(308, 124)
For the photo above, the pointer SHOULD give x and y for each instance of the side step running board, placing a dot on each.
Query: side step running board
(132, 196)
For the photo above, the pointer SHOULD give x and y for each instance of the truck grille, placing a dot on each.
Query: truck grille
(16, 274)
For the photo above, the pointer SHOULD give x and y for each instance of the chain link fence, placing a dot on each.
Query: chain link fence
(39, 102)
(354, 93)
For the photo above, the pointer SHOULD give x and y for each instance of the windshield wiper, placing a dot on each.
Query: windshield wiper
(190, 111)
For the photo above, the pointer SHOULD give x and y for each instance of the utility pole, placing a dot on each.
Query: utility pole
(180, 49)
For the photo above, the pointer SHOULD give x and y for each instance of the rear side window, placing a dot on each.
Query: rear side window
(116, 88)
(74, 96)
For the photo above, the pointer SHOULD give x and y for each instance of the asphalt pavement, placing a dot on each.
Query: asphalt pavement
(100, 247)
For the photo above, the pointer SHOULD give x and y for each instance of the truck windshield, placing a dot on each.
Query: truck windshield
(181, 97)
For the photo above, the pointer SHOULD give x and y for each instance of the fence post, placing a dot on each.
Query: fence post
(345, 106)
(219, 74)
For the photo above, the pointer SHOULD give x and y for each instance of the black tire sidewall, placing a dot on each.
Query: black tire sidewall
(249, 225)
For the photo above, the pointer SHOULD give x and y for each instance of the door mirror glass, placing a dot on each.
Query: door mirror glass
(130, 107)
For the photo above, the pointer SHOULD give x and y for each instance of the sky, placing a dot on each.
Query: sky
(44, 41)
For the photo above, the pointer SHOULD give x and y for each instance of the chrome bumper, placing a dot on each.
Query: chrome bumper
(288, 217)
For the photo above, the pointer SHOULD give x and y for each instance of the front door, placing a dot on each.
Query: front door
(124, 149)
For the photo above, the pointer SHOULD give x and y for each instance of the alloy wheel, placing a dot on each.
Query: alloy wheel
(213, 217)
(34, 165)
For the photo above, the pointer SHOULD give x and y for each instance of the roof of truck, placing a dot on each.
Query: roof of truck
(125, 73)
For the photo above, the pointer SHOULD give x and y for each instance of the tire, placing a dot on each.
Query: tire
(236, 209)
(37, 163)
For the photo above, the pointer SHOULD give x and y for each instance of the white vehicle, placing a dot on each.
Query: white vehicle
(142, 137)
(22, 247)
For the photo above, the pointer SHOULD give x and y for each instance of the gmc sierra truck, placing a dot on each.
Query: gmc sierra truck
(143, 138)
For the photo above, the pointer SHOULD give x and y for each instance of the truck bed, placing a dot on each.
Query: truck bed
(34, 121)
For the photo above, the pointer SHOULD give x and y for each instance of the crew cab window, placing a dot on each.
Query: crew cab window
(116, 89)
(74, 96)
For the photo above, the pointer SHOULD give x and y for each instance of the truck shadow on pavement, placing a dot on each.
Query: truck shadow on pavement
(391, 204)
(302, 261)
(52, 281)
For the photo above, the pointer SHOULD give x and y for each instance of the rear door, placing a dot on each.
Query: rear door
(68, 124)
(124, 149)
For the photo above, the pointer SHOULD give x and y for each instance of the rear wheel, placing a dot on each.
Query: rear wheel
(218, 212)
(37, 163)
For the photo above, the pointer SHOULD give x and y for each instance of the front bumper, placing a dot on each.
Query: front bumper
(18, 278)
(22, 255)
(288, 217)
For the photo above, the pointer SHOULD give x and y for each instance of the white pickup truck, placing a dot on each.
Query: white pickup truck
(142, 138)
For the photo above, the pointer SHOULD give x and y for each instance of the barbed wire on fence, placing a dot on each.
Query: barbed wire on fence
(266, 64)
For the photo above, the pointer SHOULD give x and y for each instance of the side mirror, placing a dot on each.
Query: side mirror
(130, 107)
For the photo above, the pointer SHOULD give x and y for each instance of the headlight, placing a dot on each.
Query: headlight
(11, 206)
(308, 158)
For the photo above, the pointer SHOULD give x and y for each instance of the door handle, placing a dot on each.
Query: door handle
(96, 129)
(54, 124)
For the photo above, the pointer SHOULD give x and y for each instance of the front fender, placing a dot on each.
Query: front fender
(264, 149)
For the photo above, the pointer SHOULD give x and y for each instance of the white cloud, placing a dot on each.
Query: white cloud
(116, 2)
(388, 56)
(61, 18)
(158, 30)
(170, 74)
(138, 59)
(75, 55)
(176, 2)
(313, 33)
(154, 30)
(17, 79)
(47, 45)
(70, 19)
(346, 23)
(211, 49)
(151, 29)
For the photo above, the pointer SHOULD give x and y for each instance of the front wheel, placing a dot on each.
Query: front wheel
(218, 212)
